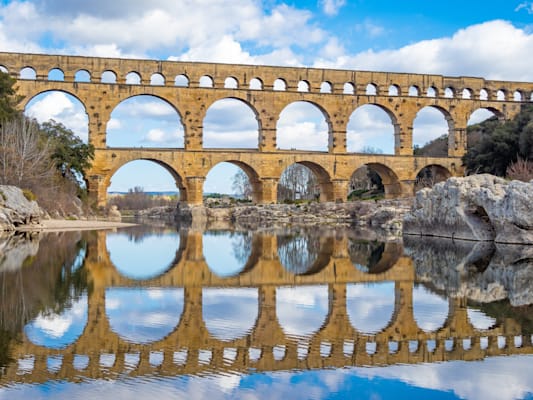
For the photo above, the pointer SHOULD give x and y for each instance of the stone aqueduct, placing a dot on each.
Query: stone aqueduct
(337, 93)
(190, 348)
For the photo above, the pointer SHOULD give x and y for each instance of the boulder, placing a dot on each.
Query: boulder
(16, 210)
(114, 214)
(478, 207)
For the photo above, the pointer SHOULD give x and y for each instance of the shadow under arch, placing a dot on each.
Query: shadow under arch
(292, 251)
(389, 179)
(430, 175)
(180, 184)
(374, 257)
(123, 104)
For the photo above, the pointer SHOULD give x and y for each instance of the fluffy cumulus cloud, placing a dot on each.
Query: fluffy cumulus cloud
(332, 7)
(494, 50)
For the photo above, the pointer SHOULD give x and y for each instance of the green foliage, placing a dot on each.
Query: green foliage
(8, 98)
(71, 156)
(3, 196)
(500, 144)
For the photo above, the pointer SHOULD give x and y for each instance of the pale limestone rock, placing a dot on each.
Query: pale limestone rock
(478, 207)
(16, 210)
(114, 214)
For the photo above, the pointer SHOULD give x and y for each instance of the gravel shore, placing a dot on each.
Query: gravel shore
(54, 225)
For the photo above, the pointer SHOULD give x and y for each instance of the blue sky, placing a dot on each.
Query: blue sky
(492, 39)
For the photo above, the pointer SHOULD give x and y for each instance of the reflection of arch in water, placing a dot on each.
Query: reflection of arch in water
(144, 315)
(304, 255)
(302, 310)
(373, 257)
(246, 252)
(230, 314)
(58, 331)
(370, 307)
(430, 311)
(139, 233)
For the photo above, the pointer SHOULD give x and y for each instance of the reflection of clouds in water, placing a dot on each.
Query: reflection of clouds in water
(142, 258)
(143, 315)
(429, 310)
(370, 306)
(479, 319)
(59, 330)
(230, 313)
(302, 310)
(226, 254)
(473, 380)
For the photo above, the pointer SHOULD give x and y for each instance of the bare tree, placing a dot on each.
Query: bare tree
(298, 183)
(521, 170)
(24, 153)
(241, 185)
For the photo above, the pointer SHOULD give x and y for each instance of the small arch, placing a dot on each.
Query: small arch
(28, 73)
(431, 175)
(431, 92)
(394, 90)
(371, 89)
(517, 95)
(303, 86)
(133, 78)
(467, 94)
(181, 80)
(4, 69)
(326, 87)
(82, 75)
(256, 84)
(348, 88)
(414, 91)
(280, 85)
(449, 93)
(231, 83)
(501, 95)
(108, 77)
(56, 74)
(206, 82)
(157, 79)
(483, 94)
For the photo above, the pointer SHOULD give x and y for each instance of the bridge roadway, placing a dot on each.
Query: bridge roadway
(190, 88)
(191, 349)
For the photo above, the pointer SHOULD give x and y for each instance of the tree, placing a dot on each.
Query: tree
(8, 98)
(298, 183)
(500, 144)
(70, 155)
(241, 185)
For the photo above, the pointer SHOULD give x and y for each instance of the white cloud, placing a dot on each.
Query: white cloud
(526, 5)
(494, 50)
(371, 29)
(332, 7)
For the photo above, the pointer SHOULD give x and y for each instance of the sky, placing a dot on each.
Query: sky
(490, 39)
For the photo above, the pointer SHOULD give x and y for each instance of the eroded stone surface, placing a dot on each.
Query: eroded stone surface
(478, 207)
(16, 209)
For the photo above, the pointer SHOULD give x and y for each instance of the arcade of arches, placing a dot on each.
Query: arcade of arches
(101, 84)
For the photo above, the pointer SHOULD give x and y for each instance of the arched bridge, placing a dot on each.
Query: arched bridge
(191, 88)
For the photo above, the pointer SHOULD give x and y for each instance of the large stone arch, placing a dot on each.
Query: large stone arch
(449, 119)
(242, 100)
(284, 105)
(178, 177)
(431, 174)
(322, 175)
(391, 181)
(33, 94)
(251, 173)
(120, 100)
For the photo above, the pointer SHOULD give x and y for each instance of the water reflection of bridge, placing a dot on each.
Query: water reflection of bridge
(191, 349)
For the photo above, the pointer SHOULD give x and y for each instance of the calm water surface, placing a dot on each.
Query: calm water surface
(166, 313)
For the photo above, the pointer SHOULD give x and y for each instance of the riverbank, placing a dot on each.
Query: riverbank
(56, 225)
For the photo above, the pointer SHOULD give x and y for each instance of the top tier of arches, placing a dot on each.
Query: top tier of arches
(248, 77)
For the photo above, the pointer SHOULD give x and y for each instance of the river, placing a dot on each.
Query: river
(172, 313)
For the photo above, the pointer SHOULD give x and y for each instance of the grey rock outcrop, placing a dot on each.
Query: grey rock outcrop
(478, 207)
(16, 210)
(114, 214)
